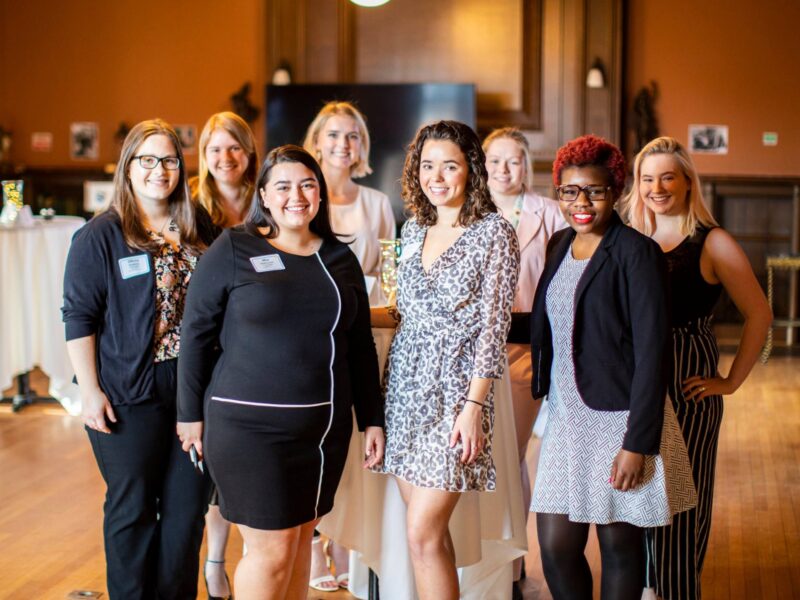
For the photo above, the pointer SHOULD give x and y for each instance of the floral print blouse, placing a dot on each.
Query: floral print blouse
(173, 270)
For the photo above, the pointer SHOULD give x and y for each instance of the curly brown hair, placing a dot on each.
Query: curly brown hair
(478, 201)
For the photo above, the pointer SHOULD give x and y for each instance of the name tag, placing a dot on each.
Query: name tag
(133, 266)
(267, 262)
(409, 250)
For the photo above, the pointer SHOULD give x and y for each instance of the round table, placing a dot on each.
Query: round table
(488, 529)
(32, 263)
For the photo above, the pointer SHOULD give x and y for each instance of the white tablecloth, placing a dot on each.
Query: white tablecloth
(32, 263)
(488, 529)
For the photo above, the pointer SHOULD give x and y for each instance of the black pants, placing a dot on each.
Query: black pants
(155, 500)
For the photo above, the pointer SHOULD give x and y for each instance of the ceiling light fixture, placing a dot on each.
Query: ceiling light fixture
(369, 3)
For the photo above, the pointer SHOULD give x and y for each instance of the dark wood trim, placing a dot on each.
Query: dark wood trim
(753, 179)
(528, 116)
(346, 41)
(286, 37)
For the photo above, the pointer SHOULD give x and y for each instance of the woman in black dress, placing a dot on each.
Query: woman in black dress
(666, 203)
(124, 290)
(277, 348)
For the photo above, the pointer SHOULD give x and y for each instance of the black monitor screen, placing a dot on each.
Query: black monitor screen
(394, 112)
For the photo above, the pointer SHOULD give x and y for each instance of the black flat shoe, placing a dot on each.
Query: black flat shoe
(516, 590)
(210, 597)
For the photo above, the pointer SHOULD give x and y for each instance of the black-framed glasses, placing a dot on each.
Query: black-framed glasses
(570, 193)
(148, 161)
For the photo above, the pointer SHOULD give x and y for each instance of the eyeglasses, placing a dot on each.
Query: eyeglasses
(147, 161)
(570, 193)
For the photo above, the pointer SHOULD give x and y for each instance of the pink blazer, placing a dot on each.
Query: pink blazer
(539, 220)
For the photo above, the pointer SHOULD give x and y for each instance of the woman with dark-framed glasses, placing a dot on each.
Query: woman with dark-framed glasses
(126, 278)
(612, 452)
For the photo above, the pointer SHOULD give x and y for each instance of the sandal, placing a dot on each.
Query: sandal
(342, 574)
(343, 580)
(317, 583)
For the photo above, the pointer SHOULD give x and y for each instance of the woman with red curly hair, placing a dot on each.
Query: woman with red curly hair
(612, 452)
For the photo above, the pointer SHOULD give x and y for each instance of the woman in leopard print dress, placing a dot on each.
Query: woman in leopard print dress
(456, 281)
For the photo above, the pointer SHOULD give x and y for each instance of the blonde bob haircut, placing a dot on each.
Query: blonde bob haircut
(205, 188)
(642, 218)
(343, 109)
(513, 133)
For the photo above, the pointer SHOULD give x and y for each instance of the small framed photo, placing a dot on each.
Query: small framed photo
(97, 195)
(84, 141)
(187, 134)
(708, 139)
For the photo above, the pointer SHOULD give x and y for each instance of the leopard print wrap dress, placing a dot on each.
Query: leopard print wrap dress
(454, 322)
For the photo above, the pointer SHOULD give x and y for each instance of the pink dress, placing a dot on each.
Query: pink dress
(539, 220)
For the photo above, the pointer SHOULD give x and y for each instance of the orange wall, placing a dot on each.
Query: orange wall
(122, 60)
(732, 62)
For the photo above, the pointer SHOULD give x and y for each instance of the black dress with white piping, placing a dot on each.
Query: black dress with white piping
(276, 351)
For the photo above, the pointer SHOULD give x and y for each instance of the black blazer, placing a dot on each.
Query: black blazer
(621, 330)
(119, 311)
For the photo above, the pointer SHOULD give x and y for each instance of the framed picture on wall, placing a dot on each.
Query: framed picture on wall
(708, 139)
(84, 141)
(187, 134)
(97, 195)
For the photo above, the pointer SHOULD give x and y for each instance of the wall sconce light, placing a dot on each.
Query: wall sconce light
(369, 3)
(596, 77)
(282, 74)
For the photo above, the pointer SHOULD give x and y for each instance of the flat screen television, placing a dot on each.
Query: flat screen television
(394, 112)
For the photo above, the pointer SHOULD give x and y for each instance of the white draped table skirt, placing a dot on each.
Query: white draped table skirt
(488, 528)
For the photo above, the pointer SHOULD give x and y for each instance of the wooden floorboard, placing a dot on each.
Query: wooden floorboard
(51, 498)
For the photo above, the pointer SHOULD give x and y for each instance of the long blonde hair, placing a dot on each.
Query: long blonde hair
(642, 218)
(181, 207)
(344, 109)
(204, 187)
(513, 133)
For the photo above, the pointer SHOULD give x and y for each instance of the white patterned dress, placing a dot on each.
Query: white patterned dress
(580, 443)
(454, 322)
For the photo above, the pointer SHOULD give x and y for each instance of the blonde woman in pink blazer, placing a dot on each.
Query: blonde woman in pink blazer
(535, 219)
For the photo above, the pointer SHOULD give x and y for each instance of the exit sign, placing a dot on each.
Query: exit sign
(769, 138)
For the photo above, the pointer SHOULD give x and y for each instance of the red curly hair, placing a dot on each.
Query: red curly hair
(592, 151)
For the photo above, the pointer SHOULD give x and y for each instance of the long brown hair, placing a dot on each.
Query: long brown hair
(206, 189)
(478, 201)
(181, 208)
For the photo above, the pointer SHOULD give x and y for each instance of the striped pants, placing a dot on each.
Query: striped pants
(675, 553)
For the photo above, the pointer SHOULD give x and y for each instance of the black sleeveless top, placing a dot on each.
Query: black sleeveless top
(692, 297)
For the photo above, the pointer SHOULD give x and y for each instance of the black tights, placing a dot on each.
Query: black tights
(562, 544)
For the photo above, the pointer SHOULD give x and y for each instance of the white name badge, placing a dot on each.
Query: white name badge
(267, 262)
(409, 250)
(133, 266)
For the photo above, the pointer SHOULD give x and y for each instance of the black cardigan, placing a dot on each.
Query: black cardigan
(120, 312)
(621, 331)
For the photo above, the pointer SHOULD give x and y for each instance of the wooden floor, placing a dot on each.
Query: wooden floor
(51, 497)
